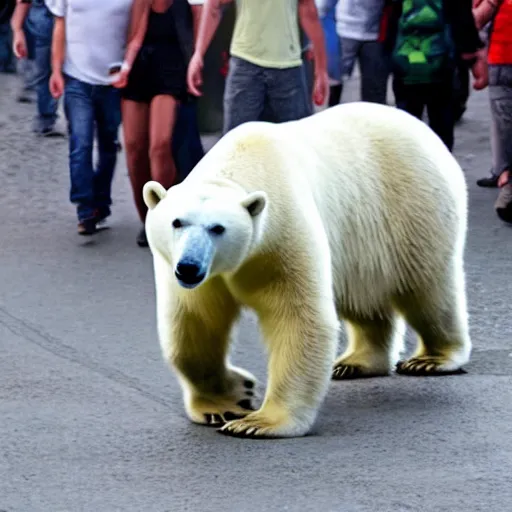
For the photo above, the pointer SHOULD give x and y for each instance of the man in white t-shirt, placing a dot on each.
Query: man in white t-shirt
(89, 37)
(359, 26)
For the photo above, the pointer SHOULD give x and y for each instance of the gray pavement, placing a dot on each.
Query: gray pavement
(91, 419)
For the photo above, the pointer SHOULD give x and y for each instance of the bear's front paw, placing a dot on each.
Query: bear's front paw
(258, 425)
(425, 366)
(346, 369)
(216, 410)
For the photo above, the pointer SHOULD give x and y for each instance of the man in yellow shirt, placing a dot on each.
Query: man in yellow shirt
(265, 65)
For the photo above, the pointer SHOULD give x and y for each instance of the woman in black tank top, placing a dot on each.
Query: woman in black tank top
(153, 82)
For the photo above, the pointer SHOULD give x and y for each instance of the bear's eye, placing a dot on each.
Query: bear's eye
(217, 229)
(176, 223)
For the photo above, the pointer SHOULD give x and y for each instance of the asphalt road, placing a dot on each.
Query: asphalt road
(91, 419)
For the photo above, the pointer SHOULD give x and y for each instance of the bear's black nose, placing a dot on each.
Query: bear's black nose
(189, 272)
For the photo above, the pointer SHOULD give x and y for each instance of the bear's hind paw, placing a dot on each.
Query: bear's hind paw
(427, 366)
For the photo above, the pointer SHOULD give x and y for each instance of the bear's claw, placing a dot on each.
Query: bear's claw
(347, 372)
(425, 367)
(217, 420)
(247, 430)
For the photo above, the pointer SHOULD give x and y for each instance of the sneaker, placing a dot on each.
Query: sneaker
(87, 227)
(503, 205)
(25, 97)
(488, 182)
(101, 216)
(459, 111)
(50, 132)
(142, 241)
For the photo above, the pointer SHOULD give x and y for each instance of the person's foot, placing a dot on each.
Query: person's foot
(101, 216)
(459, 111)
(24, 97)
(87, 227)
(50, 131)
(488, 182)
(142, 241)
(503, 205)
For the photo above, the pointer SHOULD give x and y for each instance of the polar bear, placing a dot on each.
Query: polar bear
(356, 214)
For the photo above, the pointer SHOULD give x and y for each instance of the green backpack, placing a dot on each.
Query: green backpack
(424, 49)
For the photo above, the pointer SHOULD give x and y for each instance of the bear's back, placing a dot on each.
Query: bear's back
(391, 196)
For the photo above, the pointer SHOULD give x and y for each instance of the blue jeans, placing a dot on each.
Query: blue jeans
(374, 65)
(7, 59)
(90, 110)
(249, 88)
(27, 66)
(40, 26)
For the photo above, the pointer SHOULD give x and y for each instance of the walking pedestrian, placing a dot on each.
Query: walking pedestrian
(89, 38)
(265, 65)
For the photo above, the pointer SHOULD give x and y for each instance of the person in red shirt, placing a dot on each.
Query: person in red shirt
(499, 58)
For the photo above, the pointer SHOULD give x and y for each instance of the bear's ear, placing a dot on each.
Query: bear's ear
(153, 193)
(255, 203)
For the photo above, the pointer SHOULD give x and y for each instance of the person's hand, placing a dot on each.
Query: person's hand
(480, 71)
(19, 44)
(195, 74)
(320, 88)
(122, 79)
(57, 84)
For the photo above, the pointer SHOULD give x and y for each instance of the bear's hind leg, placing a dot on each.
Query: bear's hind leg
(439, 317)
(373, 347)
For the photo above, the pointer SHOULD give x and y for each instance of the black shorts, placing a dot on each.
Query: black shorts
(157, 70)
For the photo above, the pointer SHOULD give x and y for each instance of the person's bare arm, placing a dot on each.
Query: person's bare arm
(19, 43)
(309, 21)
(58, 53)
(485, 11)
(19, 15)
(58, 44)
(210, 19)
(197, 11)
(308, 17)
(138, 26)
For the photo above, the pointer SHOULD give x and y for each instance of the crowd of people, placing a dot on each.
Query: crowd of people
(138, 64)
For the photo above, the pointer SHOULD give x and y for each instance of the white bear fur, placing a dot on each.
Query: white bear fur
(363, 220)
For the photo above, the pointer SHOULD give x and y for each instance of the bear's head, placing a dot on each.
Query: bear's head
(204, 230)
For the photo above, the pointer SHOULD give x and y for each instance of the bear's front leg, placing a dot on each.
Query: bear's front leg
(302, 341)
(194, 330)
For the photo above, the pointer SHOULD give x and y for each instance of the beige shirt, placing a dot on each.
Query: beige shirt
(266, 33)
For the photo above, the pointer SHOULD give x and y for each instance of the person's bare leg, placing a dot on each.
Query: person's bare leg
(163, 112)
(136, 140)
